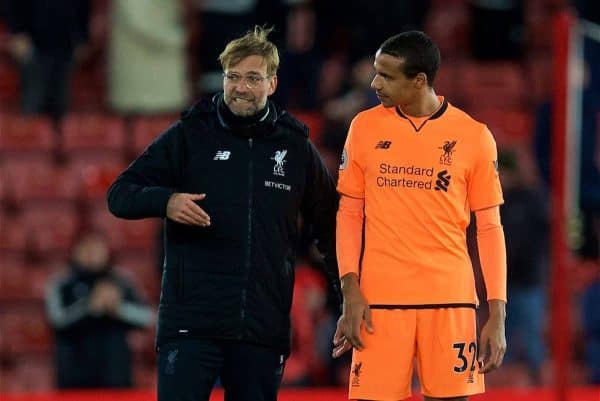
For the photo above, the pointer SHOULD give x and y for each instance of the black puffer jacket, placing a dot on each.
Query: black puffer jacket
(233, 279)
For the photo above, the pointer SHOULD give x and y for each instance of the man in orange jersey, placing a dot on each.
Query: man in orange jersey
(412, 171)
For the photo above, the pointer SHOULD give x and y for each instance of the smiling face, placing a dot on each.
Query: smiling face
(391, 85)
(242, 98)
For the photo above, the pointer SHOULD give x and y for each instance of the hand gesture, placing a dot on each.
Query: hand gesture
(183, 209)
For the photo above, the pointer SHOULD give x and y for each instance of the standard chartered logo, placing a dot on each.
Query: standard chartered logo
(405, 176)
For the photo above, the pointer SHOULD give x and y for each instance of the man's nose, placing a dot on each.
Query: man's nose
(375, 83)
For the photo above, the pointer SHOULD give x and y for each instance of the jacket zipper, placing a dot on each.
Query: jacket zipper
(249, 239)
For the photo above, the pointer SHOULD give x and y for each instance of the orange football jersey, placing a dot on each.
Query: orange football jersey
(420, 179)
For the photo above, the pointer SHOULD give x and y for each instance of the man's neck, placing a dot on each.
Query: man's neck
(424, 106)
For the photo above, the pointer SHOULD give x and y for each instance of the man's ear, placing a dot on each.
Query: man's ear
(421, 80)
(273, 85)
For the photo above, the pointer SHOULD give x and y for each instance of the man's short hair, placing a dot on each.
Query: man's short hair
(253, 43)
(417, 50)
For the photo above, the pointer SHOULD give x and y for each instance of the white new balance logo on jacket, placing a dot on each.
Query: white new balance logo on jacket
(222, 155)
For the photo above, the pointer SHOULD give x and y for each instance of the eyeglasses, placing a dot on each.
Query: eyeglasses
(252, 81)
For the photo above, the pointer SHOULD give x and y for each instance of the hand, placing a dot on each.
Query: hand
(106, 298)
(493, 340)
(21, 47)
(182, 209)
(355, 310)
(112, 296)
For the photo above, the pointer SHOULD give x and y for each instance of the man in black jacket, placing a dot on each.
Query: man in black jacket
(231, 177)
(92, 308)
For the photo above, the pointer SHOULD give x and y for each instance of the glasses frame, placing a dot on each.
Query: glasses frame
(251, 81)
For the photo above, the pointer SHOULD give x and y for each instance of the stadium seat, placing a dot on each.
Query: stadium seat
(13, 236)
(507, 126)
(26, 137)
(493, 85)
(52, 229)
(96, 175)
(445, 81)
(313, 120)
(29, 374)
(307, 313)
(38, 180)
(447, 24)
(14, 287)
(147, 129)
(17, 289)
(25, 329)
(126, 235)
(9, 84)
(92, 133)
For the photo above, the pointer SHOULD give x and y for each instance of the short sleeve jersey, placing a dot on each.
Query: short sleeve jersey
(419, 182)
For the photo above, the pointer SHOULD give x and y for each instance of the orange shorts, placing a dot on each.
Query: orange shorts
(442, 341)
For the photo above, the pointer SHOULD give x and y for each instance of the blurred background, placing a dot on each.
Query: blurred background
(86, 85)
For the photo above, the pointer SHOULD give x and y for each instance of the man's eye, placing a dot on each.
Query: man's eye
(254, 80)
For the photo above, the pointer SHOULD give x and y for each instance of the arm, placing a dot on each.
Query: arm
(63, 316)
(355, 309)
(492, 254)
(145, 187)
(131, 310)
(318, 208)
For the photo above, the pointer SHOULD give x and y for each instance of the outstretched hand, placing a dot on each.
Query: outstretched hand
(183, 209)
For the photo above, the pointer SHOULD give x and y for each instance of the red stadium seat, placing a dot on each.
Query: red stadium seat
(22, 137)
(314, 122)
(9, 84)
(13, 236)
(96, 176)
(92, 133)
(445, 81)
(507, 126)
(52, 229)
(14, 288)
(34, 181)
(126, 235)
(17, 289)
(493, 85)
(25, 329)
(29, 374)
(447, 23)
(147, 129)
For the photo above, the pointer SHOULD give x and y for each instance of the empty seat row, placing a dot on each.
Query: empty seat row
(53, 229)
(31, 181)
(77, 135)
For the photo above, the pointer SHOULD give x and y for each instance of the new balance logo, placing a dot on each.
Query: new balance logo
(441, 184)
(222, 155)
(383, 145)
